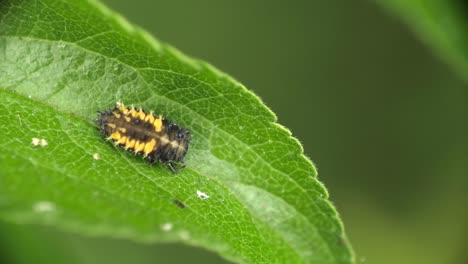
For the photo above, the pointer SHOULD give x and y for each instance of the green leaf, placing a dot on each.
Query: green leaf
(61, 61)
(441, 23)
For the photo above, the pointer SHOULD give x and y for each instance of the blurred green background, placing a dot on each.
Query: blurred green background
(379, 114)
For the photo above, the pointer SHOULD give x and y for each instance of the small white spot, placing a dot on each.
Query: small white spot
(202, 195)
(96, 156)
(44, 207)
(166, 227)
(35, 141)
(39, 142)
(43, 143)
(29, 96)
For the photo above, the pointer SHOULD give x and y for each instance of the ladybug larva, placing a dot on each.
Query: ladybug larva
(154, 137)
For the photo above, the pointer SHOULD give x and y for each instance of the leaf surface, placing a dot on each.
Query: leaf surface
(61, 61)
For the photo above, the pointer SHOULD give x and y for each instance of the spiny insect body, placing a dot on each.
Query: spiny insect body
(154, 137)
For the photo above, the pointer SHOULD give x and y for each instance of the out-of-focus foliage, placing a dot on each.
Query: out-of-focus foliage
(441, 23)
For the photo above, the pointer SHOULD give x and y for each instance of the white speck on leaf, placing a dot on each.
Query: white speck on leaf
(39, 142)
(35, 141)
(96, 156)
(43, 143)
(44, 207)
(166, 227)
(202, 195)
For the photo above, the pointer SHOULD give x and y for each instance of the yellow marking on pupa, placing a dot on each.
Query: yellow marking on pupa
(122, 140)
(130, 143)
(158, 124)
(111, 125)
(139, 146)
(181, 147)
(127, 118)
(117, 115)
(164, 140)
(122, 108)
(174, 144)
(150, 118)
(115, 136)
(141, 115)
(122, 129)
(149, 147)
(133, 112)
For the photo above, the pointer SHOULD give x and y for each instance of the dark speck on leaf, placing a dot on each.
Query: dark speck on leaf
(179, 203)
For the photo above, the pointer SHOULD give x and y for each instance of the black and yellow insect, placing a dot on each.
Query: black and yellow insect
(154, 137)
